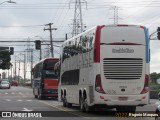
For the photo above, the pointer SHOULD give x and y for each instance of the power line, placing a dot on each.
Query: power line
(24, 26)
(27, 41)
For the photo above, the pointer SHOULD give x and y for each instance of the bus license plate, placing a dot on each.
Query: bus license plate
(122, 98)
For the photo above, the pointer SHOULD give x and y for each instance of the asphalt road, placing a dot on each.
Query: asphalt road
(20, 101)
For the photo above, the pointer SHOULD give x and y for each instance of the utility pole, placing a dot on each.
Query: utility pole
(31, 66)
(11, 71)
(78, 25)
(15, 69)
(24, 68)
(19, 72)
(51, 40)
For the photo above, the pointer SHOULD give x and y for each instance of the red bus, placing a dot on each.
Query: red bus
(45, 80)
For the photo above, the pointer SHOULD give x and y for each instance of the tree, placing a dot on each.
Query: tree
(154, 76)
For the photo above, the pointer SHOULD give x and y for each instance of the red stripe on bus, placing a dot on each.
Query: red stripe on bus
(97, 44)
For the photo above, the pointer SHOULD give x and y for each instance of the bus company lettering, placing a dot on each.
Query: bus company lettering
(123, 50)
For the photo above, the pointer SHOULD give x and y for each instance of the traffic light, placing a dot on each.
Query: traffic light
(158, 33)
(38, 44)
(11, 50)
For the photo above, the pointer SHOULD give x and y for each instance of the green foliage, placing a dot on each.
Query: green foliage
(154, 76)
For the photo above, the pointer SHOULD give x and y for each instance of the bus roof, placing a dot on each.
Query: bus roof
(105, 26)
(46, 59)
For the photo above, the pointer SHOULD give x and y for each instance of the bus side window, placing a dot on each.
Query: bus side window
(90, 43)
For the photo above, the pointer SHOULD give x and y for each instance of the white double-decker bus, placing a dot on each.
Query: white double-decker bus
(106, 66)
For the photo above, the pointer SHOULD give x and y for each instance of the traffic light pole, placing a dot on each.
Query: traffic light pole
(158, 34)
(151, 36)
(40, 54)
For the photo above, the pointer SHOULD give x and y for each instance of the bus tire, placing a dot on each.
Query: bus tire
(87, 108)
(40, 97)
(64, 102)
(81, 103)
(69, 105)
(36, 96)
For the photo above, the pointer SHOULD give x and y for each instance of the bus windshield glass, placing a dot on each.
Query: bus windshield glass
(48, 69)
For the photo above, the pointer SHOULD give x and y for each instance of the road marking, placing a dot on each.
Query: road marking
(158, 102)
(67, 110)
(19, 100)
(22, 94)
(29, 100)
(8, 100)
(25, 109)
(6, 93)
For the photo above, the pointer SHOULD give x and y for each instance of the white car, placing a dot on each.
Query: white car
(5, 84)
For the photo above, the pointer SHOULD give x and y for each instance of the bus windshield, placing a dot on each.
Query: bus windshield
(48, 69)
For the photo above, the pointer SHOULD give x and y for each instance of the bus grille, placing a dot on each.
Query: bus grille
(122, 68)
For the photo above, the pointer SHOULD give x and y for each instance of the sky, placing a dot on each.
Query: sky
(27, 19)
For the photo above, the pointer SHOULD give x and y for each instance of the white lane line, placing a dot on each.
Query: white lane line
(158, 102)
(25, 109)
(19, 100)
(8, 100)
(29, 100)
(6, 93)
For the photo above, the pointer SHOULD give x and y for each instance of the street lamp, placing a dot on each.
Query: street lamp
(8, 2)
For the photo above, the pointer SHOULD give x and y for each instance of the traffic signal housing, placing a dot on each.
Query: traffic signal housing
(38, 44)
(158, 33)
(11, 50)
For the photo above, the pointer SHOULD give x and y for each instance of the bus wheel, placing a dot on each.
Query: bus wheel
(64, 102)
(87, 108)
(36, 96)
(40, 97)
(81, 102)
(69, 105)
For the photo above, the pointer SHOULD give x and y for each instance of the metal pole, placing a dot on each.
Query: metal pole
(51, 39)
(31, 66)
(19, 72)
(11, 72)
(15, 69)
(24, 68)
(40, 53)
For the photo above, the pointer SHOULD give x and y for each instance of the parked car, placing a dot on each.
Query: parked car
(5, 84)
(154, 91)
(5, 79)
(14, 83)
